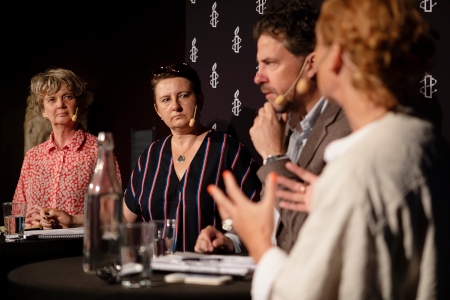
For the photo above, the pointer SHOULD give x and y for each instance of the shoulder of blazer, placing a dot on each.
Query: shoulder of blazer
(323, 132)
(331, 113)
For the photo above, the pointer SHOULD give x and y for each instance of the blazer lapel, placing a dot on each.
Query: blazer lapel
(318, 133)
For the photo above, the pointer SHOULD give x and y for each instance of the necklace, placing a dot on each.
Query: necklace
(181, 158)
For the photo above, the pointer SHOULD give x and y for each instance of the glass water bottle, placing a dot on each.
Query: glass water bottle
(102, 211)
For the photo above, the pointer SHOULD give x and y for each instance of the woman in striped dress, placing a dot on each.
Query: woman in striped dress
(170, 177)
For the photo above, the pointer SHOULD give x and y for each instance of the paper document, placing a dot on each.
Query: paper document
(192, 262)
(76, 232)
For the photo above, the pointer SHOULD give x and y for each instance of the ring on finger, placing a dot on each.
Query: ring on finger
(303, 189)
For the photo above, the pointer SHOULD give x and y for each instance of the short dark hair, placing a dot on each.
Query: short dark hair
(188, 72)
(292, 22)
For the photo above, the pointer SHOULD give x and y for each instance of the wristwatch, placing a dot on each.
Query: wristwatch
(274, 158)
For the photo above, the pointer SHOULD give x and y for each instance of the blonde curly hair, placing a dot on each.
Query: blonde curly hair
(386, 42)
(50, 81)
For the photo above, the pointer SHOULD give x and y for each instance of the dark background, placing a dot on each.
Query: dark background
(115, 47)
(214, 45)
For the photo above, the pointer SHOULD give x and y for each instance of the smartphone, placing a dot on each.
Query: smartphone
(194, 278)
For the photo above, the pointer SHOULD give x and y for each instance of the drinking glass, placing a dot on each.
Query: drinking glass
(136, 250)
(164, 236)
(14, 217)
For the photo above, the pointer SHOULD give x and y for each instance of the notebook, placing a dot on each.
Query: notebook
(77, 232)
(191, 262)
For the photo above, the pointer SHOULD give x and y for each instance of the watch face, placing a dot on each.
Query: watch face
(273, 158)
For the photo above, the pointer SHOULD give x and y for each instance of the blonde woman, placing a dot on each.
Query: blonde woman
(56, 173)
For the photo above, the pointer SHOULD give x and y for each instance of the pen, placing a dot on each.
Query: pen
(33, 228)
(200, 259)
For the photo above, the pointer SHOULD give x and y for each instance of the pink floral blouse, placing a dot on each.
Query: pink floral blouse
(59, 178)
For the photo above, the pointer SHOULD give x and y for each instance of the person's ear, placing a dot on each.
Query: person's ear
(311, 70)
(336, 57)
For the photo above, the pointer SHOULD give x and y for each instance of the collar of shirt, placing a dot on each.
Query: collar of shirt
(298, 139)
(75, 142)
(311, 117)
(339, 147)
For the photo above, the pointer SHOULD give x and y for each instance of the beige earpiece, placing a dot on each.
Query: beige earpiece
(302, 86)
(74, 117)
(299, 84)
(192, 121)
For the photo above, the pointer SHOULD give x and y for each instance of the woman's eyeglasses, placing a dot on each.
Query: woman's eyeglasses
(176, 68)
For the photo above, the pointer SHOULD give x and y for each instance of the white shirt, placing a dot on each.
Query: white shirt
(274, 259)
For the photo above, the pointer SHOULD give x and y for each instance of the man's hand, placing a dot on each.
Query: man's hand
(298, 195)
(267, 132)
(211, 240)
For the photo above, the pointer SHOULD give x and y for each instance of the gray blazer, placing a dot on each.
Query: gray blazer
(330, 125)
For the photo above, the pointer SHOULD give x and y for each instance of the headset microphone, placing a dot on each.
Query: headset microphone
(74, 117)
(192, 121)
(302, 86)
(281, 98)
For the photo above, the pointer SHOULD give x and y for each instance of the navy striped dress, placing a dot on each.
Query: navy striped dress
(154, 191)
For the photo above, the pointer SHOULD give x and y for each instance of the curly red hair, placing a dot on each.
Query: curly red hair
(387, 41)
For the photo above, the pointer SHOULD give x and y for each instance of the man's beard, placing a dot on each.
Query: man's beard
(285, 107)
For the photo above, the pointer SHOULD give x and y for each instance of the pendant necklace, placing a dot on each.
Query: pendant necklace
(181, 158)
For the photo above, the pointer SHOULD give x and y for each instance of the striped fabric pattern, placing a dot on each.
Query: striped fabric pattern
(154, 191)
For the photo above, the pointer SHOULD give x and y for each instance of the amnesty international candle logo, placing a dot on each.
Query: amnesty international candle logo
(214, 76)
(194, 51)
(260, 6)
(236, 109)
(236, 41)
(427, 5)
(428, 86)
(214, 16)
